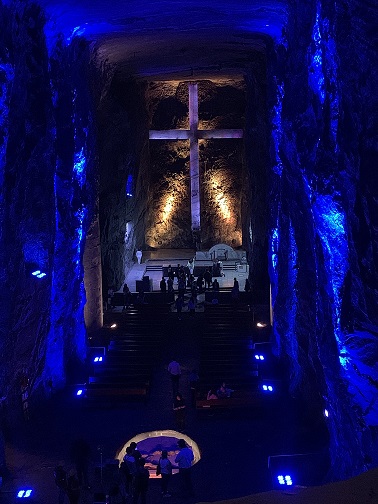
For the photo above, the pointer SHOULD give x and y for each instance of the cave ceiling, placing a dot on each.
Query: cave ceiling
(173, 38)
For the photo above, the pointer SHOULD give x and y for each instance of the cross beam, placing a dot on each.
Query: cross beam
(193, 134)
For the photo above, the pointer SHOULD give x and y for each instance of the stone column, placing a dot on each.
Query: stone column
(93, 309)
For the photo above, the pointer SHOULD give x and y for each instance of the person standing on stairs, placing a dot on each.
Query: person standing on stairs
(179, 407)
(174, 369)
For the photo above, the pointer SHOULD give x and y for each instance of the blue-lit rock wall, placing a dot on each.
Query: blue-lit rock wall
(46, 161)
(323, 238)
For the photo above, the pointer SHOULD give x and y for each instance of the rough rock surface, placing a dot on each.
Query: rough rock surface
(311, 142)
(221, 105)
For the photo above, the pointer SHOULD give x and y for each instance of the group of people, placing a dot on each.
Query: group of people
(184, 460)
(128, 298)
(185, 281)
(134, 475)
(222, 392)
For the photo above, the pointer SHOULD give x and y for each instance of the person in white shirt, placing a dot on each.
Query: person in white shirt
(166, 473)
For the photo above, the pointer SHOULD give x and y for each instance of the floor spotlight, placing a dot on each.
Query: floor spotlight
(38, 273)
(288, 471)
(24, 493)
(261, 324)
(259, 357)
(267, 387)
(285, 480)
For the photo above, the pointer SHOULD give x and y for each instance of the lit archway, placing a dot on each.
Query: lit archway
(151, 444)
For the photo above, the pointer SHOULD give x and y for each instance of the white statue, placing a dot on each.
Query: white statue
(139, 254)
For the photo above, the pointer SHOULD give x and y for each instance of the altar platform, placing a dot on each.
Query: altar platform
(155, 263)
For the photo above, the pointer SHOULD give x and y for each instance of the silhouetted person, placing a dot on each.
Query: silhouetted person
(163, 286)
(60, 476)
(179, 408)
(124, 481)
(73, 488)
(130, 461)
(194, 289)
(247, 286)
(80, 454)
(216, 288)
(207, 277)
(141, 482)
(192, 306)
(200, 283)
(134, 451)
(234, 295)
(224, 391)
(110, 298)
(193, 383)
(126, 296)
(179, 303)
(181, 286)
(174, 369)
(166, 472)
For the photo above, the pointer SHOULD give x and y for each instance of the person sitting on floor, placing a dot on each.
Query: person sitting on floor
(211, 395)
(223, 391)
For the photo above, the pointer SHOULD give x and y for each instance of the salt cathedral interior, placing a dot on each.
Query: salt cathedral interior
(181, 125)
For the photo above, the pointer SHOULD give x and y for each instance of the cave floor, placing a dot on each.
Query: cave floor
(235, 445)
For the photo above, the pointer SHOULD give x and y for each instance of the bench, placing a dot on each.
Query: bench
(124, 346)
(122, 374)
(134, 355)
(228, 350)
(113, 391)
(239, 400)
(125, 361)
(121, 380)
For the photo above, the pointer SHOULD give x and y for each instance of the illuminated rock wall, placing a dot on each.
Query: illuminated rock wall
(221, 105)
(46, 167)
(322, 235)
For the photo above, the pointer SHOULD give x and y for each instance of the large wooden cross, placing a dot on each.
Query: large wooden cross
(193, 134)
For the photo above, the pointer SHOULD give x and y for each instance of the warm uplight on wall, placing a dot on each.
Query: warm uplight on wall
(168, 207)
(220, 198)
(222, 202)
